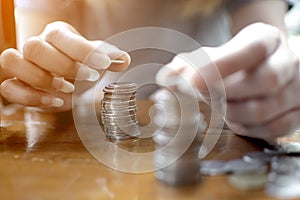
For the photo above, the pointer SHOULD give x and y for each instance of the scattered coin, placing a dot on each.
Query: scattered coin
(212, 167)
(240, 166)
(248, 181)
(251, 172)
(285, 164)
(289, 191)
(273, 151)
(257, 157)
(277, 179)
(291, 147)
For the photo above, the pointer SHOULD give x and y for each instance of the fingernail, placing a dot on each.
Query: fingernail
(57, 102)
(52, 101)
(62, 85)
(86, 73)
(98, 60)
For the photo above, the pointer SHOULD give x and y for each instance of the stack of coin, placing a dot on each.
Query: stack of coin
(176, 157)
(118, 111)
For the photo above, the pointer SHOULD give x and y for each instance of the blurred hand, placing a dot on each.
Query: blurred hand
(260, 76)
(43, 74)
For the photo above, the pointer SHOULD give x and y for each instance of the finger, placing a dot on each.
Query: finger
(268, 78)
(13, 62)
(17, 92)
(52, 60)
(92, 54)
(173, 76)
(238, 128)
(262, 110)
(283, 125)
(244, 52)
(259, 132)
(205, 67)
(167, 75)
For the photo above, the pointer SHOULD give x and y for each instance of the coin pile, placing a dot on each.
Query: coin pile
(176, 158)
(118, 111)
(282, 180)
(284, 177)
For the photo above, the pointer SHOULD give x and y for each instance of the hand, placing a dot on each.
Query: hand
(260, 76)
(44, 72)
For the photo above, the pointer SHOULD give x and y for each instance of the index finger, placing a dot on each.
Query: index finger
(95, 54)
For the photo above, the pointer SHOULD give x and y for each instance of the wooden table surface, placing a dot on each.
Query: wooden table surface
(42, 157)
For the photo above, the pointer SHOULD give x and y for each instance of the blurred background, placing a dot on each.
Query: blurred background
(8, 39)
(292, 21)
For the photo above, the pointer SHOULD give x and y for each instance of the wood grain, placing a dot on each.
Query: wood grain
(42, 157)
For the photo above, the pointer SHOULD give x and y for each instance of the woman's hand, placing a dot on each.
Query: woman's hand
(260, 76)
(43, 73)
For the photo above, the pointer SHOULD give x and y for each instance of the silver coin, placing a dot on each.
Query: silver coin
(212, 167)
(120, 108)
(285, 164)
(109, 102)
(274, 152)
(114, 115)
(119, 95)
(257, 157)
(125, 132)
(120, 85)
(119, 112)
(117, 134)
(284, 179)
(248, 181)
(291, 147)
(118, 118)
(120, 122)
(240, 166)
(117, 105)
(128, 119)
(123, 128)
(290, 191)
(119, 90)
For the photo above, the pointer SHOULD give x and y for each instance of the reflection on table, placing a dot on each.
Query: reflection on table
(42, 157)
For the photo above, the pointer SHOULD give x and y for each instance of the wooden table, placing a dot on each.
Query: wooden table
(42, 157)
